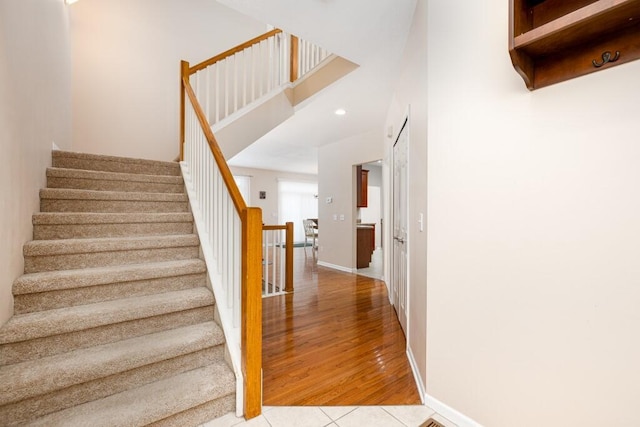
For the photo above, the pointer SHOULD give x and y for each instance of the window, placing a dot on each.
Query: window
(297, 201)
(244, 185)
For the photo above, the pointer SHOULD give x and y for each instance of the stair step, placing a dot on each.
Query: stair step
(212, 386)
(38, 377)
(27, 410)
(64, 225)
(72, 254)
(28, 326)
(72, 160)
(56, 289)
(113, 181)
(41, 334)
(73, 200)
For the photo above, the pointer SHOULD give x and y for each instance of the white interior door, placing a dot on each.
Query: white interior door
(400, 234)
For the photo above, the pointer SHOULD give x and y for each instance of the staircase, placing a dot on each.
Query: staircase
(114, 323)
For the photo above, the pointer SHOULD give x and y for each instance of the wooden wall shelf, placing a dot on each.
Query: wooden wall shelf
(555, 40)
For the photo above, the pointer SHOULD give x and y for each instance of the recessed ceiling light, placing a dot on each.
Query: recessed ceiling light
(341, 112)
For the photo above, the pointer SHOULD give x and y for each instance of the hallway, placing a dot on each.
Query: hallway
(334, 341)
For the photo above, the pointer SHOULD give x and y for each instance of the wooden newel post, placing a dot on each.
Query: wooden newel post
(288, 278)
(252, 311)
(293, 60)
(184, 73)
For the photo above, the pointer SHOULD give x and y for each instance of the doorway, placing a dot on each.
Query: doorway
(370, 215)
(399, 258)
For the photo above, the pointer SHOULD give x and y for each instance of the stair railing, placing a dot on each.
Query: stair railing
(231, 240)
(230, 81)
(277, 259)
(230, 232)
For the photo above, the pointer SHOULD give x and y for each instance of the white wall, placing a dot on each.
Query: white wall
(35, 111)
(267, 180)
(336, 179)
(410, 99)
(126, 65)
(533, 232)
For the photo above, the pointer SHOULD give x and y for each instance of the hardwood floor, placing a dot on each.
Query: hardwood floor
(335, 341)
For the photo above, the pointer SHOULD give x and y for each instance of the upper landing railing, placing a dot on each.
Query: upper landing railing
(236, 78)
(231, 234)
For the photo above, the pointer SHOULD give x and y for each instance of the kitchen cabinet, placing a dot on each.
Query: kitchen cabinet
(362, 185)
(365, 241)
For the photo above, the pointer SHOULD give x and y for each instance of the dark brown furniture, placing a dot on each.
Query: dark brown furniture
(366, 236)
(362, 185)
(555, 40)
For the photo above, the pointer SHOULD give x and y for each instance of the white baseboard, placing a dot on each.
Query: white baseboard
(335, 267)
(449, 413)
(416, 375)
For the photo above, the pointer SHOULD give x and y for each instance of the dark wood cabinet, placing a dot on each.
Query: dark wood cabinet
(362, 185)
(555, 40)
(365, 245)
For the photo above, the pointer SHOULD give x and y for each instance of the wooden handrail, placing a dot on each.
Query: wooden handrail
(233, 50)
(252, 311)
(236, 196)
(274, 227)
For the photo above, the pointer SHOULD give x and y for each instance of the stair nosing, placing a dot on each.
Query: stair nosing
(35, 248)
(149, 402)
(80, 194)
(57, 280)
(26, 379)
(81, 218)
(94, 175)
(57, 321)
(114, 159)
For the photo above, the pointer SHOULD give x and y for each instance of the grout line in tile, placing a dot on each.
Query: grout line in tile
(394, 417)
(340, 417)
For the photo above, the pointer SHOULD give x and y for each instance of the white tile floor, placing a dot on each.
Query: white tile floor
(335, 416)
(375, 269)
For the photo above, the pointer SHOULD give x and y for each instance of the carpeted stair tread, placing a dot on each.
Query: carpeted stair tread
(73, 160)
(74, 218)
(151, 402)
(70, 279)
(76, 200)
(78, 194)
(112, 176)
(114, 322)
(40, 376)
(113, 181)
(106, 244)
(77, 225)
(58, 321)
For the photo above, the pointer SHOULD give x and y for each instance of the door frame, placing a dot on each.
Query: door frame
(405, 126)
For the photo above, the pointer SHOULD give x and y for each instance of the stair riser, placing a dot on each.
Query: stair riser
(79, 231)
(114, 185)
(62, 343)
(114, 166)
(200, 414)
(34, 264)
(108, 206)
(31, 408)
(41, 301)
